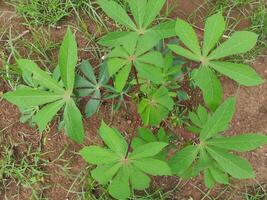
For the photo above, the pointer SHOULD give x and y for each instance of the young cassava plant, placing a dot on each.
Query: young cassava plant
(146, 136)
(155, 106)
(147, 64)
(211, 155)
(210, 58)
(87, 85)
(49, 94)
(144, 13)
(122, 170)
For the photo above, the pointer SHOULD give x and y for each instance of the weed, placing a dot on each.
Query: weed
(25, 171)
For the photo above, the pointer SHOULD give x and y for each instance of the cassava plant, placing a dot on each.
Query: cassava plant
(155, 106)
(144, 13)
(87, 85)
(123, 170)
(210, 59)
(50, 94)
(210, 154)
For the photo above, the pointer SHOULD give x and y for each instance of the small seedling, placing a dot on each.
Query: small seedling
(146, 136)
(121, 169)
(211, 154)
(156, 106)
(88, 85)
(50, 94)
(205, 77)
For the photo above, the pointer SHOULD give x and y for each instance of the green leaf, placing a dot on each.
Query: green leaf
(29, 97)
(113, 39)
(73, 122)
(150, 72)
(68, 57)
(202, 114)
(183, 159)
(219, 121)
(153, 58)
(138, 8)
(214, 28)
(46, 114)
(156, 107)
(98, 155)
(208, 179)
(152, 10)
(113, 139)
(104, 173)
(39, 75)
(93, 104)
(138, 179)
(165, 29)
(147, 135)
(241, 73)
(218, 175)
(209, 84)
(122, 77)
(239, 42)
(153, 166)
(88, 71)
(188, 36)
(119, 187)
(183, 52)
(232, 164)
(148, 150)
(115, 64)
(117, 13)
(244, 142)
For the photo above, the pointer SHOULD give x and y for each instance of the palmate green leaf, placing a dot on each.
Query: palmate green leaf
(120, 187)
(25, 97)
(98, 155)
(244, 142)
(219, 121)
(41, 77)
(152, 10)
(122, 77)
(148, 150)
(239, 42)
(188, 36)
(232, 164)
(47, 113)
(153, 166)
(214, 28)
(104, 173)
(116, 38)
(93, 104)
(218, 175)
(241, 73)
(183, 52)
(113, 139)
(156, 107)
(183, 159)
(121, 169)
(73, 122)
(150, 72)
(138, 8)
(210, 85)
(138, 179)
(117, 13)
(208, 179)
(88, 85)
(165, 29)
(68, 57)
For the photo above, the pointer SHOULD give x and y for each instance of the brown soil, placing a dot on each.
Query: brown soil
(251, 116)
